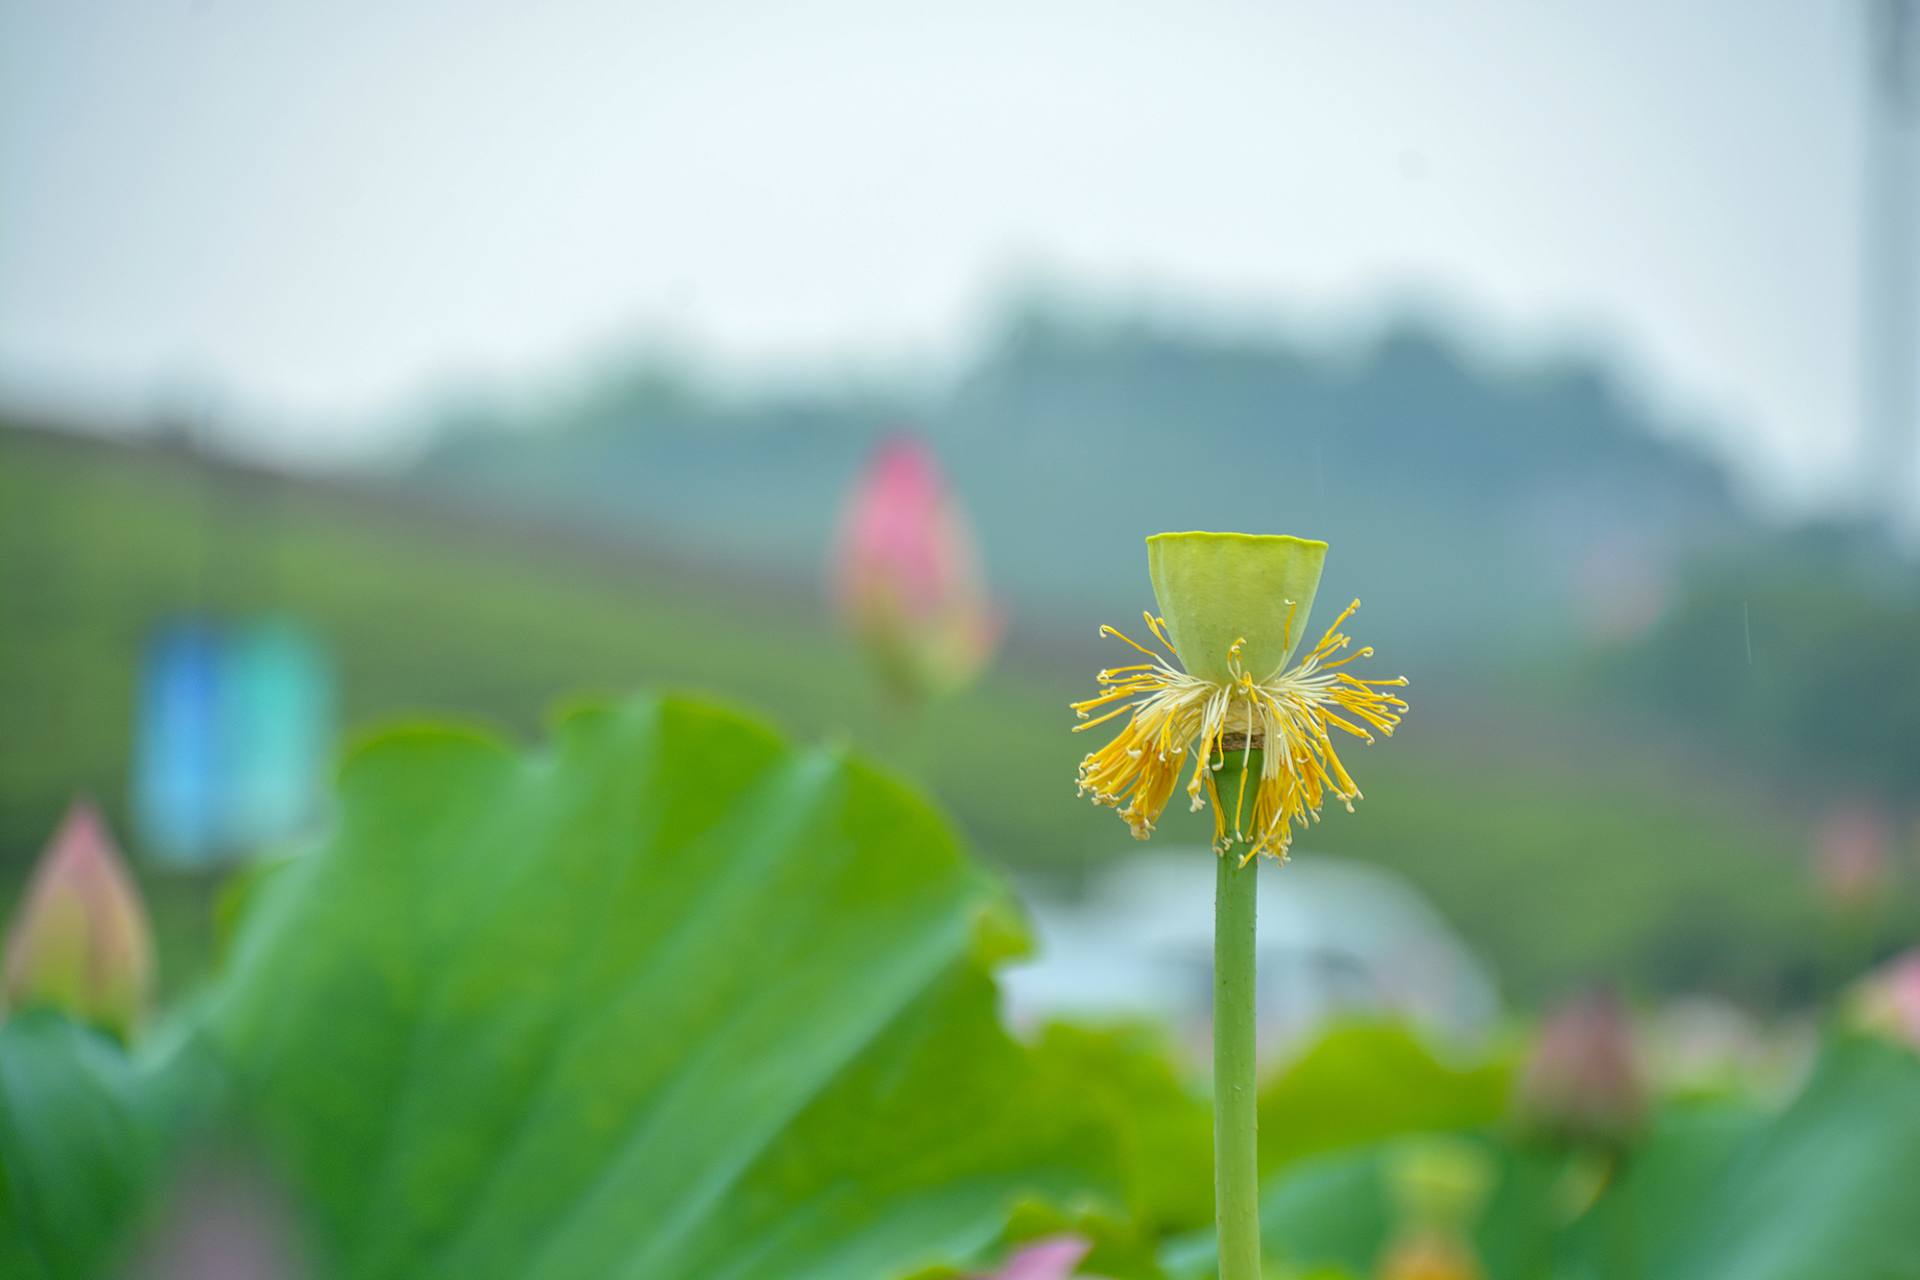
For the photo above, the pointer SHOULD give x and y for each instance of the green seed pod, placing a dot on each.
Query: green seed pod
(1217, 588)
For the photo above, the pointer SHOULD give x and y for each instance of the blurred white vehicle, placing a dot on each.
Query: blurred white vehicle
(1336, 937)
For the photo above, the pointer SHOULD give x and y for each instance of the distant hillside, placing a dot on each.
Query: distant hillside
(1564, 849)
(1471, 510)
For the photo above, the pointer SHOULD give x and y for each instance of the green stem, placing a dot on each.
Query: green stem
(1236, 1157)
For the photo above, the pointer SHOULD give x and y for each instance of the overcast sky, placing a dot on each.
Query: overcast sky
(327, 211)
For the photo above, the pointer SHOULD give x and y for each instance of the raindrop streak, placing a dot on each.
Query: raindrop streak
(1746, 627)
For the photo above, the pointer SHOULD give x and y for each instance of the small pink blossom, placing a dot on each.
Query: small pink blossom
(1053, 1258)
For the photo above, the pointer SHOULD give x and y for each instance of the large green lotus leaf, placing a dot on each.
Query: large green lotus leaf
(670, 1000)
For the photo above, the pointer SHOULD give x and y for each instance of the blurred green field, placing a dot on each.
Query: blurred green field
(1565, 852)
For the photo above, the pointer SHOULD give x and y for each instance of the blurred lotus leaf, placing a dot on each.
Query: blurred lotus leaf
(667, 1000)
(1334, 1123)
(1364, 1082)
(1827, 1188)
(1168, 1129)
(78, 1145)
(1716, 1191)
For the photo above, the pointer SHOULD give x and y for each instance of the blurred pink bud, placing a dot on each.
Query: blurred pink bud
(225, 1220)
(1583, 1084)
(80, 941)
(1621, 588)
(1053, 1258)
(906, 574)
(1852, 856)
(1887, 1001)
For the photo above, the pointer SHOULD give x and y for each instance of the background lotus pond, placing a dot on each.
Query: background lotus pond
(546, 553)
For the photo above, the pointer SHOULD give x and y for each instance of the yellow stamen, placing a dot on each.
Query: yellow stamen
(1289, 714)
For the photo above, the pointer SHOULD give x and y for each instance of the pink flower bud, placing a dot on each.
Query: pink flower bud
(1852, 856)
(1053, 1258)
(1887, 1001)
(1583, 1084)
(80, 941)
(906, 574)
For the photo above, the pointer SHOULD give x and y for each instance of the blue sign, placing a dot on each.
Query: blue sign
(234, 734)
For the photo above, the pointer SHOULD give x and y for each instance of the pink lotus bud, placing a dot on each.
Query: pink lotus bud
(1053, 1258)
(907, 577)
(1583, 1084)
(80, 941)
(1852, 856)
(1887, 1001)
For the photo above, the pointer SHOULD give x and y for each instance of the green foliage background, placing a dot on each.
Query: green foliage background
(668, 998)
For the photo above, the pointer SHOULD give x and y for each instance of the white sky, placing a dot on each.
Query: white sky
(329, 210)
